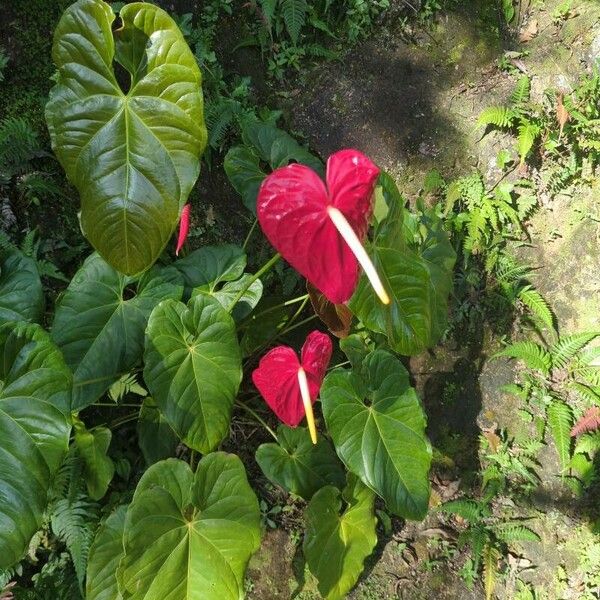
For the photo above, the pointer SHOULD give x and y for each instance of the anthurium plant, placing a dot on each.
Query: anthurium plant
(193, 333)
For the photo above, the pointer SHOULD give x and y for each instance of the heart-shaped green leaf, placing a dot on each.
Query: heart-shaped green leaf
(105, 554)
(338, 539)
(35, 386)
(209, 266)
(21, 293)
(263, 142)
(417, 274)
(92, 445)
(189, 536)
(99, 324)
(242, 167)
(193, 368)
(427, 237)
(229, 292)
(378, 427)
(156, 439)
(298, 465)
(133, 156)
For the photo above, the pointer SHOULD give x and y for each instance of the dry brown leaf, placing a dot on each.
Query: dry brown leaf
(562, 114)
(493, 440)
(529, 31)
(337, 317)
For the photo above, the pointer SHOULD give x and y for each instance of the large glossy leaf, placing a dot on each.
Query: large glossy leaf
(426, 235)
(133, 156)
(209, 266)
(298, 465)
(21, 293)
(189, 536)
(35, 387)
(416, 272)
(378, 427)
(105, 554)
(250, 298)
(100, 321)
(269, 144)
(156, 439)
(340, 535)
(242, 167)
(92, 445)
(193, 368)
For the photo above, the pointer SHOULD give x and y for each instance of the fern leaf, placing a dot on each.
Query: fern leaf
(528, 133)
(540, 309)
(516, 532)
(475, 231)
(560, 422)
(568, 346)
(491, 556)
(586, 392)
(74, 522)
(466, 509)
(521, 93)
(294, 16)
(498, 116)
(127, 384)
(588, 422)
(268, 9)
(534, 356)
(73, 516)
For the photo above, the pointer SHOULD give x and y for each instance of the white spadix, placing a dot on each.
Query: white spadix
(346, 231)
(305, 393)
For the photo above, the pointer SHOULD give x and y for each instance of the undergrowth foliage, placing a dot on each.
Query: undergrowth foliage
(145, 462)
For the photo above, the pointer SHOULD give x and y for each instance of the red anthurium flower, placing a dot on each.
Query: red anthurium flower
(318, 228)
(184, 227)
(289, 386)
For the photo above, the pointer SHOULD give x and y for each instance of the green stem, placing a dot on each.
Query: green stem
(298, 324)
(113, 405)
(250, 234)
(254, 277)
(273, 308)
(124, 420)
(258, 418)
(342, 364)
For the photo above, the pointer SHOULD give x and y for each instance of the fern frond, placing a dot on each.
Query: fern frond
(490, 558)
(540, 309)
(294, 16)
(73, 516)
(127, 384)
(515, 532)
(476, 227)
(588, 443)
(588, 422)
(587, 393)
(533, 355)
(466, 509)
(498, 116)
(568, 346)
(74, 522)
(19, 145)
(48, 269)
(560, 422)
(521, 93)
(527, 135)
